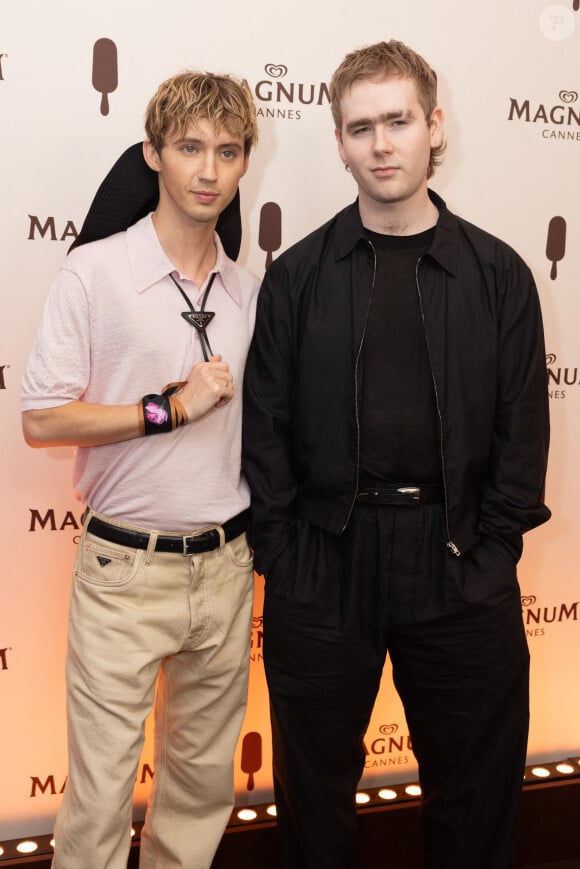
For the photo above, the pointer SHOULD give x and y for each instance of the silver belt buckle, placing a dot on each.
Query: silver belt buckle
(415, 491)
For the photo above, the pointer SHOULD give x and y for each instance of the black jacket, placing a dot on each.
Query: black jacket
(484, 333)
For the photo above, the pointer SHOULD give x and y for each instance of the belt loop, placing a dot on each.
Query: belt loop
(151, 547)
(85, 519)
(222, 537)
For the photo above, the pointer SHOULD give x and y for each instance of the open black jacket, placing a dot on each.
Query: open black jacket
(484, 333)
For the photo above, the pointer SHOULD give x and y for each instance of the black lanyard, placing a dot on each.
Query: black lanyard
(199, 319)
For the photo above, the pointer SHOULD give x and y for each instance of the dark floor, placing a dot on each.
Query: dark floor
(561, 864)
(234, 863)
(547, 837)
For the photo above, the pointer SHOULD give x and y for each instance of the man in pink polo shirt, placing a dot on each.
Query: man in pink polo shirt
(145, 333)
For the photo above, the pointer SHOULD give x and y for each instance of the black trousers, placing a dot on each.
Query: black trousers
(334, 608)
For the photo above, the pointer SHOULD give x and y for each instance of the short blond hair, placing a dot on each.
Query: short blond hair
(381, 61)
(188, 97)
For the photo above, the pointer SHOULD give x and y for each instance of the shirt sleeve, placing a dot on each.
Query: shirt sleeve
(513, 495)
(58, 367)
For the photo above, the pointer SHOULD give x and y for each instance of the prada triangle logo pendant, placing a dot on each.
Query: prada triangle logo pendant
(198, 319)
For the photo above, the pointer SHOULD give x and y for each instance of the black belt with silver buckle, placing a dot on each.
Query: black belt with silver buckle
(401, 496)
(192, 544)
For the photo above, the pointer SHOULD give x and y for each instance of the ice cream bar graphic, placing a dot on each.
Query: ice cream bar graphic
(556, 244)
(576, 5)
(270, 234)
(105, 77)
(251, 756)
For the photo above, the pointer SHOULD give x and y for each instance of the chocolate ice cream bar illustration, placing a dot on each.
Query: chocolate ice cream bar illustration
(105, 74)
(251, 756)
(270, 234)
(556, 244)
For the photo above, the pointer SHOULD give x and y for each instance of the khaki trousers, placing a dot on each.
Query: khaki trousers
(158, 628)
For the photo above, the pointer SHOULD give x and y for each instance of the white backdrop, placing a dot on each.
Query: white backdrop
(509, 83)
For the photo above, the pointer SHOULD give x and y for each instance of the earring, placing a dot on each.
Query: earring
(347, 167)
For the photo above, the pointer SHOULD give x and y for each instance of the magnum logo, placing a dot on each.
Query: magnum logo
(286, 95)
(276, 71)
(37, 227)
(556, 244)
(50, 786)
(559, 377)
(563, 113)
(251, 761)
(105, 72)
(38, 521)
(270, 233)
(257, 638)
(391, 748)
(536, 617)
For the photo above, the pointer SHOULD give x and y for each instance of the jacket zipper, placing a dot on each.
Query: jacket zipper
(356, 416)
(450, 544)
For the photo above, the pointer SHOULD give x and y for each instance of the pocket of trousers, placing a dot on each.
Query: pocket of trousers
(239, 551)
(280, 578)
(490, 572)
(106, 564)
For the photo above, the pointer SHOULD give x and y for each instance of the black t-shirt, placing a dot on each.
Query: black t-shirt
(398, 414)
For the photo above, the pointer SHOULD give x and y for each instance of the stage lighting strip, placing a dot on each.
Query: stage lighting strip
(18, 851)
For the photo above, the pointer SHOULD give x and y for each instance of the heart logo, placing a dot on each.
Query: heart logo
(550, 358)
(568, 96)
(276, 71)
(388, 729)
(528, 600)
(257, 622)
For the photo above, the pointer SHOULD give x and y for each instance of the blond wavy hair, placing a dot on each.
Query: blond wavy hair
(188, 97)
(381, 61)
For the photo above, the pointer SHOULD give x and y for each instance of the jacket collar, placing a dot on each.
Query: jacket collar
(444, 245)
(350, 231)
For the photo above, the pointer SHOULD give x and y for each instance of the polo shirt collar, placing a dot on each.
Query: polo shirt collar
(149, 263)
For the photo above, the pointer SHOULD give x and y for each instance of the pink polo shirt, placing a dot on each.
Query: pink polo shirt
(111, 332)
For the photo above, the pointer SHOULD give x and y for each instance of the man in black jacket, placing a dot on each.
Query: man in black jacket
(395, 441)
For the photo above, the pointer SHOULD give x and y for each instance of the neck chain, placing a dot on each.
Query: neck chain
(199, 319)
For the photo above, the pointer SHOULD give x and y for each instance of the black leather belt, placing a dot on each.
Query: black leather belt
(192, 544)
(401, 496)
